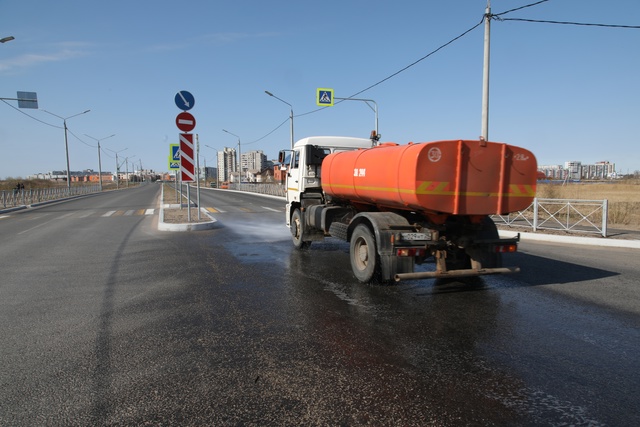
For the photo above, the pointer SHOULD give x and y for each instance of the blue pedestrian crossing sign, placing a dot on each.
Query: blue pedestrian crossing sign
(174, 157)
(175, 152)
(324, 97)
(173, 165)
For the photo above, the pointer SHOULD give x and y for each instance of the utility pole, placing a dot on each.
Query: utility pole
(99, 159)
(485, 73)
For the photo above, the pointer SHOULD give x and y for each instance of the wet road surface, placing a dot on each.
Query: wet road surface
(232, 326)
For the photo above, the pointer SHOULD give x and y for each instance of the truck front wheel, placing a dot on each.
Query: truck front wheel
(364, 259)
(297, 227)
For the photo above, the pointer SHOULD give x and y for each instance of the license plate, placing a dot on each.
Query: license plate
(416, 236)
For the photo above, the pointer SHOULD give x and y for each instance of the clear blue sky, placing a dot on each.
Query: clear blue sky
(565, 92)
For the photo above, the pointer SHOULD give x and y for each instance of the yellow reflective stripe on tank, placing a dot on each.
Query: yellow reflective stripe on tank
(522, 190)
(440, 188)
(435, 188)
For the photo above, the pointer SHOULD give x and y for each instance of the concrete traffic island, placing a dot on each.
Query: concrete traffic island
(176, 218)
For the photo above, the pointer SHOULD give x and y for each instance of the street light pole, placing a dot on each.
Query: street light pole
(66, 142)
(290, 113)
(117, 167)
(126, 159)
(239, 154)
(374, 108)
(485, 72)
(99, 161)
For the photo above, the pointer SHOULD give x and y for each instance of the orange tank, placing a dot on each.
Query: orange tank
(443, 177)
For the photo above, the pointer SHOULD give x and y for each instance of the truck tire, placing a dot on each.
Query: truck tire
(363, 254)
(297, 230)
(488, 258)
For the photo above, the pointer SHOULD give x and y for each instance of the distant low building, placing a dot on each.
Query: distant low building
(280, 173)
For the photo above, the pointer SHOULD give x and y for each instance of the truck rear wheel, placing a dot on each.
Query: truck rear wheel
(364, 257)
(488, 258)
(297, 231)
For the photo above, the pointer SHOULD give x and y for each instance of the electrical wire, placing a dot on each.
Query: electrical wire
(80, 139)
(497, 16)
(263, 137)
(30, 116)
(519, 8)
(405, 68)
(424, 57)
(636, 27)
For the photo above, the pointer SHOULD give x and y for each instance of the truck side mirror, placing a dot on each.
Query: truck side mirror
(281, 156)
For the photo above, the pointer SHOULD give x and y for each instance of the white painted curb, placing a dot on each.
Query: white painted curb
(191, 226)
(574, 240)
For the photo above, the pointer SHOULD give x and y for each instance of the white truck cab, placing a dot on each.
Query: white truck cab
(305, 162)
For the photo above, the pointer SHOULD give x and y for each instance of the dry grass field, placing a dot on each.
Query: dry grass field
(623, 197)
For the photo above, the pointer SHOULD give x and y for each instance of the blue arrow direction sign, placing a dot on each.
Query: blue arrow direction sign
(184, 100)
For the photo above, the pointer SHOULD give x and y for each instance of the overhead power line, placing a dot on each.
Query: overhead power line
(31, 117)
(419, 60)
(498, 17)
(520, 8)
(402, 69)
(80, 139)
(263, 137)
(572, 23)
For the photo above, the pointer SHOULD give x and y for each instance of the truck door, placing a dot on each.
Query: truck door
(294, 177)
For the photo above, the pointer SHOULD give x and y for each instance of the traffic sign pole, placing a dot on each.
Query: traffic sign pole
(185, 101)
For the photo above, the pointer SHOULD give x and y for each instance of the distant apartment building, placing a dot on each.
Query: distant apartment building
(601, 170)
(254, 161)
(553, 171)
(208, 172)
(575, 170)
(227, 165)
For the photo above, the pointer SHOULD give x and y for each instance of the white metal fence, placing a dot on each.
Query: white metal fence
(579, 216)
(262, 188)
(569, 215)
(14, 198)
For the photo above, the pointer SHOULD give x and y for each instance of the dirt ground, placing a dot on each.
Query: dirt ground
(175, 215)
(180, 216)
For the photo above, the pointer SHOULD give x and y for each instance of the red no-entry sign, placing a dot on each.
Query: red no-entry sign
(185, 122)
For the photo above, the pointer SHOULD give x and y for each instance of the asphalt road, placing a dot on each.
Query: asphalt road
(104, 320)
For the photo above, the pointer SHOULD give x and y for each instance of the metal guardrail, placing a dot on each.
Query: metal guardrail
(271, 189)
(571, 215)
(14, 198)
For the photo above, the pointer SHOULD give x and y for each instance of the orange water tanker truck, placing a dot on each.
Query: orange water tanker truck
(399, 206)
